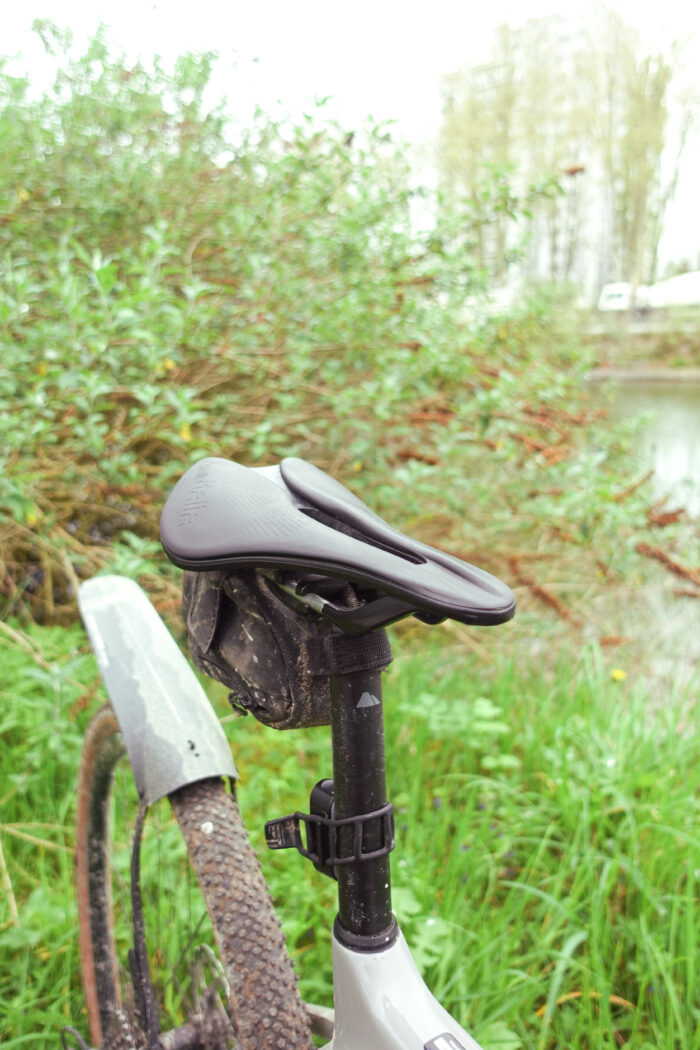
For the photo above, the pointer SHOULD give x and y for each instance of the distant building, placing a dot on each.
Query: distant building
(682, 290)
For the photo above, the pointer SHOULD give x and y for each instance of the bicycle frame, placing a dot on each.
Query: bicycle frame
(382, 1003)
(173, 738)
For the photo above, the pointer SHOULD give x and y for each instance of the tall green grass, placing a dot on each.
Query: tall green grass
(548, 857)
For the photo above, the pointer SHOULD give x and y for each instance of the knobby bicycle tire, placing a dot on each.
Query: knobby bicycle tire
(264, 1001)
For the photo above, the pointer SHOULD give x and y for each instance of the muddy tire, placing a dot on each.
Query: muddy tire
(264, 1011)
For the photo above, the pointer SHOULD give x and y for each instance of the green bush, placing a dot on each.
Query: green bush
(174, 286)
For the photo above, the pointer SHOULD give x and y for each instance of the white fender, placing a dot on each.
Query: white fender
(170, 730)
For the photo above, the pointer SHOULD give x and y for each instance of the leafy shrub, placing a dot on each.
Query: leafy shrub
(173, 286)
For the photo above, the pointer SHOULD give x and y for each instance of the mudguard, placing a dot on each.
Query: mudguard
(170, 731)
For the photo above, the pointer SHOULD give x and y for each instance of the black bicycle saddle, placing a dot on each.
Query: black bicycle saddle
(294, 517)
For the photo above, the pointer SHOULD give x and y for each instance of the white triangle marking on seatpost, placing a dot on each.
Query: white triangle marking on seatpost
(367, 700)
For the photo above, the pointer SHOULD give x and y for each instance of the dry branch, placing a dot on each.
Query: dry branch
(692, 575)
(543, 594)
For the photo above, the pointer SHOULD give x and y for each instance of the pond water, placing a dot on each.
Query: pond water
(669, 442)
(666, 628)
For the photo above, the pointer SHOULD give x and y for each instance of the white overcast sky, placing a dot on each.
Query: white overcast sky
(382, 58)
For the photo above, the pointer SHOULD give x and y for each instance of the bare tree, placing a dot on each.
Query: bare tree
(581, 99)
(634, 139)
(517, 113)
(477, 141)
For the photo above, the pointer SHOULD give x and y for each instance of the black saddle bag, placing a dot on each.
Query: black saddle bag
(275, 659)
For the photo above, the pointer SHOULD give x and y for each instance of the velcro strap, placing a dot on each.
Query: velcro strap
(365, 652)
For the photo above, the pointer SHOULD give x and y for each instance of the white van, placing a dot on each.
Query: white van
(619, 297)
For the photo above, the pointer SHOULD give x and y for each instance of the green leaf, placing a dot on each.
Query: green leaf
(498, 1036)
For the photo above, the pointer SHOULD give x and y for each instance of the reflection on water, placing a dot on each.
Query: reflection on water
(670, 442)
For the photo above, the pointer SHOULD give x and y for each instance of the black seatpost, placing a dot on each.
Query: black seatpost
(365, 921)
